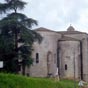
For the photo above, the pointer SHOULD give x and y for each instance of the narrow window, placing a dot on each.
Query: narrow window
(65, 66)
(37, 57)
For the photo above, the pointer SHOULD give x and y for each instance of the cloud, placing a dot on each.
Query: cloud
(58, 14)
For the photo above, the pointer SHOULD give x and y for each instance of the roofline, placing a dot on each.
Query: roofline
(69, 32)
(42, 29)
(68, 39)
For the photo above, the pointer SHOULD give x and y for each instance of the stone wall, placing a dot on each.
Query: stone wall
(69, 53)
(73, 46)
(47, 55)
(83, 38)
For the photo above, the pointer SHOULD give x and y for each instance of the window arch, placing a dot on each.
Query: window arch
(66, 67)
(37, 57)
(49, 63)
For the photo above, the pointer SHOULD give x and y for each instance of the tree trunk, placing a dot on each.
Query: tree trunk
(16, 47)
(16, 42)
(23, 69)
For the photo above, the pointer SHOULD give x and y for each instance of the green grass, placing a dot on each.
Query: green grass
(16, 81)
(68, 84)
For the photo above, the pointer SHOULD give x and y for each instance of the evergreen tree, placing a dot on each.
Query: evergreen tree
(16, 36)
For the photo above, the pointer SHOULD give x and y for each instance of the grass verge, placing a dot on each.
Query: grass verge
(17, 81)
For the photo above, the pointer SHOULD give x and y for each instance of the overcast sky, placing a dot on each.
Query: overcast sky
(59, 14)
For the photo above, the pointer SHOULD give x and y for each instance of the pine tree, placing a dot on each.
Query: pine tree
(16, 27)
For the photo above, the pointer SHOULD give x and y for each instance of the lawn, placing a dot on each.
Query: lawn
(18, 81)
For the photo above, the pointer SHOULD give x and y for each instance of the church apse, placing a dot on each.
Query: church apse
(69, 59)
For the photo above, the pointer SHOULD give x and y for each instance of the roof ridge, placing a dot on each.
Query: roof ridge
(43, 29)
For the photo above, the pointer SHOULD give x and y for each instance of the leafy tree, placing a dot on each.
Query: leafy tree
(16, 27)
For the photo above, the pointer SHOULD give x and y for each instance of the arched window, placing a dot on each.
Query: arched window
(66, 67)
(37, 57)
(49, 63)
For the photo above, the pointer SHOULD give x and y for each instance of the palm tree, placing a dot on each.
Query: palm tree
(18, 26)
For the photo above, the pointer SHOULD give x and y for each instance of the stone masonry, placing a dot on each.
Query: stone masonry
(66, 51)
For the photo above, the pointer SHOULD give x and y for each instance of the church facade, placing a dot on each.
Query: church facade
(63, 53)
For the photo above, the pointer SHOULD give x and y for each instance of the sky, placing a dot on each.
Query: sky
(58, 15)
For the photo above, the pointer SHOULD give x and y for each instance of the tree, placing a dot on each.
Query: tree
(16, 27)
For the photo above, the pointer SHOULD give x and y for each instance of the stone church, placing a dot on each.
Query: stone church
(63, 53)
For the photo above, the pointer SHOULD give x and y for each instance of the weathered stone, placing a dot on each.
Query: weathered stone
(66, 50)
